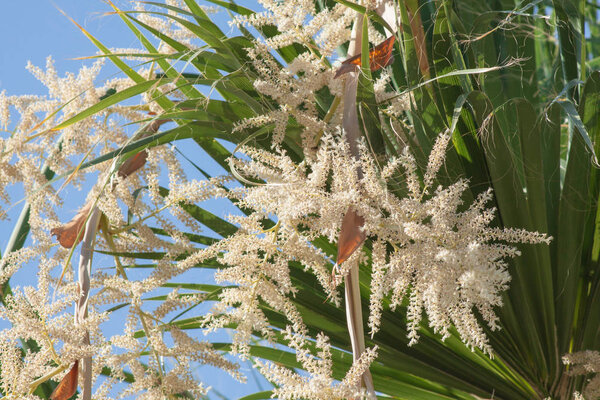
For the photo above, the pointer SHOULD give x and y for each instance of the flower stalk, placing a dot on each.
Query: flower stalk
(351, 280)
(84, 271)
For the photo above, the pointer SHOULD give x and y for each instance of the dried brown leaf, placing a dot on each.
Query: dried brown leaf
(351, 235)
(132, 164)
(379, 57)
(73, 230)
(137, 161)
(68, 385)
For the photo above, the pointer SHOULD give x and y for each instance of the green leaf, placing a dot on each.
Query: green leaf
(590, 104)
(575, 120)
(207, 218)
(368, 113)
(570, 38)
(367, 13)
(539, 275)
(574, 210)
(519, 312)
(188, 90)
(113, 99)
(258, 396)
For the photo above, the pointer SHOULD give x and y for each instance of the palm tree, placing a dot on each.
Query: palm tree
(516, 87)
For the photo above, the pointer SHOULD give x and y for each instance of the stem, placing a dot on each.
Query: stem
(85, 266)
(156, 355)
(33, 385)
(139, 221)
(351, 129)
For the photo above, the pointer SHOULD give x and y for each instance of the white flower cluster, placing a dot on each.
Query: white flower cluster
(445, 259)
(293, 86)
(318, 384)
(37, 315)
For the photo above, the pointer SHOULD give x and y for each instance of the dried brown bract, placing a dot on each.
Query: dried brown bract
(351, 235)
(71, 233)
(379, 57)
(68, 385)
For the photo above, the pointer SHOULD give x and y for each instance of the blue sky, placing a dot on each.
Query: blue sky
(31, 30)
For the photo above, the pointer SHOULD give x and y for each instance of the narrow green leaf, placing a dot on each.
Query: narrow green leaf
(205, 217)
(162, 101)
(258, 396)
(118, 97)
(575, 120)
(188, 90)
(233, 7)
(367, 110)
(367, 13)
(519, 310)
(574, 210)
(539, 273)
